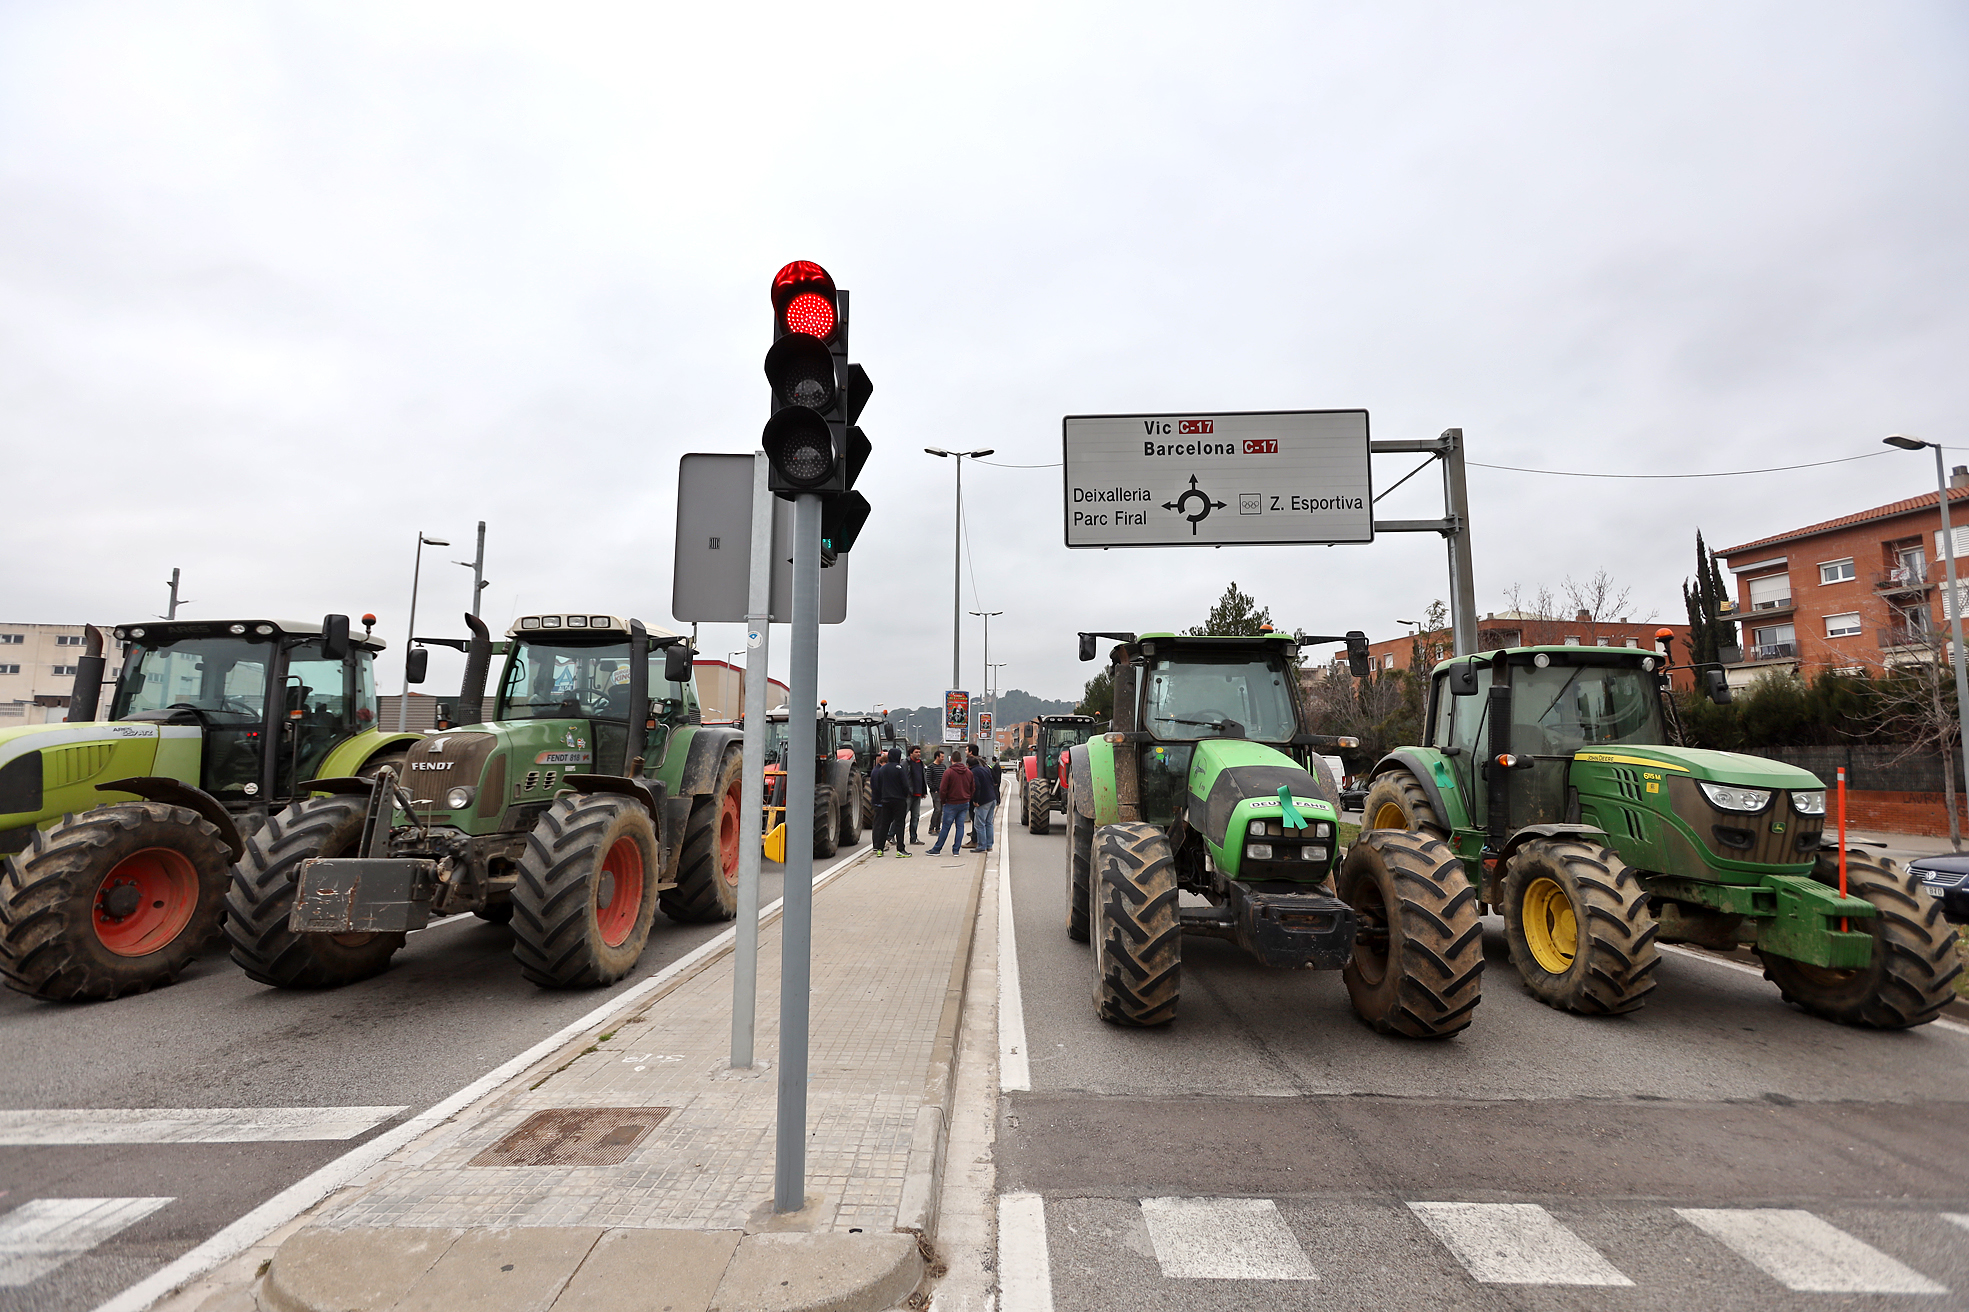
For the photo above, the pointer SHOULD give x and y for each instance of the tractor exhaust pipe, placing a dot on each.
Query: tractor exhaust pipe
(478, 663)
(88, 691)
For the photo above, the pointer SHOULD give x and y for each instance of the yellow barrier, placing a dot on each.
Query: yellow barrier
(775, 841)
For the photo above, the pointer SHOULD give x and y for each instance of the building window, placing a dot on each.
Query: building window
(68, 640)
(10, 669)
(1837, 571)
(1603, 642)
(64, 669)
(12, 639)
(1572, 640)
(1770, 592)
(1842, 626)
(1773, 642)
(1387, 662)
(1633, 642)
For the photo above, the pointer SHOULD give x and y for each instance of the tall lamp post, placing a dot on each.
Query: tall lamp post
(957, 558)
(1954, 603)
(994, 667)
(985, 690)
(403, 707)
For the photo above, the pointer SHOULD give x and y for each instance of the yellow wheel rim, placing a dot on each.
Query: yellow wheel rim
(1551, 931)
(1389, 816)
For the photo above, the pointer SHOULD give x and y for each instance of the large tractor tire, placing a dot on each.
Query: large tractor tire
(1080, 862)
(1418, 965)
(1396, 800)
(864, 807)
(707, 868)
(851, 815)
(1912, 974)
(827, 819)
(1025, 802)
(584, 902)
(1039, 807)
(1580, 930)
(1138, 937)
(113, 901)
(262, 895)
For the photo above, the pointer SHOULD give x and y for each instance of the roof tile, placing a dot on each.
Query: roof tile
(1926, 501)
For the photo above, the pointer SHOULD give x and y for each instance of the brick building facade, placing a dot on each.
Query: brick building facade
(1522, 629)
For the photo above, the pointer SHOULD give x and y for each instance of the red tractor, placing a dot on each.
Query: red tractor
(1044, 792)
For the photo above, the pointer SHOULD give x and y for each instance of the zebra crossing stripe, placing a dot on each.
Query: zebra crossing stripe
(1224, 1239)
(1025, 1272)
(188, 1124)
(39, 1236)
(1960, 1218)
(1804, 1253)
(1516, 1244)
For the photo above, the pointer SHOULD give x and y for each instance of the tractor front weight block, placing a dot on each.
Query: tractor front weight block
(363, 895)
(1805, 927)
(1286, 931)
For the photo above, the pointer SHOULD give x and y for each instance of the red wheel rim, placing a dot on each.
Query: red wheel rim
(622, 882)
(145, 901)
(728, 835)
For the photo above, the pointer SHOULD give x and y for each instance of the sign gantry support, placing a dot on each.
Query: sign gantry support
(1454, 527)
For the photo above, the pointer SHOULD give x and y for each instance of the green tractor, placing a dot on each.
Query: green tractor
(1549, 771)
(1042, 771)
(841, 789)
(593, 797)
(117, 837)
(1210, 783)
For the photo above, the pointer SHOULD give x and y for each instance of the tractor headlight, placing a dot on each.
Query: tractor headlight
(1259, 851)
(1809, 802)
(1313, 853)
(1726, 798)
(1322, 830)
(459, 798)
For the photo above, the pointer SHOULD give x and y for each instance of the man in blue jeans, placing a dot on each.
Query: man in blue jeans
(954, 791)
(984, 802)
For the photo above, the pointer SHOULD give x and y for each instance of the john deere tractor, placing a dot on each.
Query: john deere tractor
(1208, 785)
(1043, 769)
(1549, 772)
(593, 797)
(121, 834)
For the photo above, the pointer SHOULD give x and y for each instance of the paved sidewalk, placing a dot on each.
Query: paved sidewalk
(634, 1169)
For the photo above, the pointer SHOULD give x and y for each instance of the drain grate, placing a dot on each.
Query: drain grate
(574, 1136)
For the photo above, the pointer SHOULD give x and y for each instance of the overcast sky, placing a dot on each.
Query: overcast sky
(281, 285)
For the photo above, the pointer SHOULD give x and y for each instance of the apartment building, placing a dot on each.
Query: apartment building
(1513, 628)
(37, 671)
(1863, 592)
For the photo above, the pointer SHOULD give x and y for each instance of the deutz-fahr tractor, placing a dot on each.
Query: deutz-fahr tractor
(1549, 772)
(839, 787)
(1207, 785)
(593, 797)
(1042, 778)
(123, 832)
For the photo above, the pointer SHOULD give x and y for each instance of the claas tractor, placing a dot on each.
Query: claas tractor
(119, 836)
(1043, 787)
(1549, 771)
(839, 787)
(592, 798)
(1208, 785)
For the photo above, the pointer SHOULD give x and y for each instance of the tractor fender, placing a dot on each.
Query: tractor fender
(1029, 766)
(1590, 833)
(705, 757)
(159, 788)
(1430, 769)
(649, 792)
(1094, 781)
(349, 756)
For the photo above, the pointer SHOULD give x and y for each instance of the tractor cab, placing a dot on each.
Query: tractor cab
(580, 673)
(866, 736)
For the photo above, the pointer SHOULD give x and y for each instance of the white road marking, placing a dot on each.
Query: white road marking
(190, 1124)
(1014, 1070)
(1516, 1244)
(1960, 1218)
(1744, 968)
(37, 1237)
(1224, 1239)
(1025, 1272)
(1804, 1253)
(305, 1193)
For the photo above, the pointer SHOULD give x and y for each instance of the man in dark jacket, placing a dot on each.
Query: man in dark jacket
(889, 788)
(954, 791)
(984, 802)
(919, 788)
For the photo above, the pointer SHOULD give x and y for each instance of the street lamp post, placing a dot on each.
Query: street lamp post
(1954, 603)
(477, 565)
(985, 690)
(957, 558)
(403, 707)
(994, 667)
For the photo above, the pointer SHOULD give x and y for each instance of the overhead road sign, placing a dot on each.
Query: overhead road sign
(1212, 479)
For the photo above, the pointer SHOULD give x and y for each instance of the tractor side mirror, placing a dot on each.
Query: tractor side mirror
(1359, 660)
(1086, 646)
(1717, 685)
(335, 638)
(1463, 679)
(677, 663)
(416, 663)
(888, 732)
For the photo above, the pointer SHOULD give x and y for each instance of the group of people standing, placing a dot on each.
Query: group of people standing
(964, 789)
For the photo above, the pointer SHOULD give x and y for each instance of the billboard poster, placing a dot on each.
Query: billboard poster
(956, 716)
(984, 726)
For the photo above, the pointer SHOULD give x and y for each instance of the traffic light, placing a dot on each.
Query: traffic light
(810, 440)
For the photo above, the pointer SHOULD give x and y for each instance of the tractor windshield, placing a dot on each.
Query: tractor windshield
(1196, 695)
(223, 678)
(546, 681)
(1559, 709)
(1062, 736)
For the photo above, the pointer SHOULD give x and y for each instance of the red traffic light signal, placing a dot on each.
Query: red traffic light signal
(805, 301)
(816, 393)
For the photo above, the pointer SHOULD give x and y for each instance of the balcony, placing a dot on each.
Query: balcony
(1900, 635)
(1902, 578)
(1774, 651)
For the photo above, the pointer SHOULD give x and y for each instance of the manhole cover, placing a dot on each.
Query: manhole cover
(574, 1136)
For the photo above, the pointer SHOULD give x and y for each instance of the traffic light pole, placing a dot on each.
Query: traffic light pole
(797, 918)
(752, 772)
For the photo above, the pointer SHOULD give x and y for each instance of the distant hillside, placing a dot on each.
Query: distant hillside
(1014, 705)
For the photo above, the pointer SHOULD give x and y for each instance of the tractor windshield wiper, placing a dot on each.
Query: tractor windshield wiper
(1577, 671)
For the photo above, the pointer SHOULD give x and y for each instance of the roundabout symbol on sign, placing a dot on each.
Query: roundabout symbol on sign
(1204, 505)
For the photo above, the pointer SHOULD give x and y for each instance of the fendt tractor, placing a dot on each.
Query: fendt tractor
(1549, 771)
(838, 789)
(1043, 785)
(593, 797)
(1209, 783)
(120, 835)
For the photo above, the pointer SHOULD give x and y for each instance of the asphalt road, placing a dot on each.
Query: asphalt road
(451, 1007)
(1267, 1150)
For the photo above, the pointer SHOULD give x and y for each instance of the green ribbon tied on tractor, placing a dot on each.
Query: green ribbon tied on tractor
(1293, 819)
